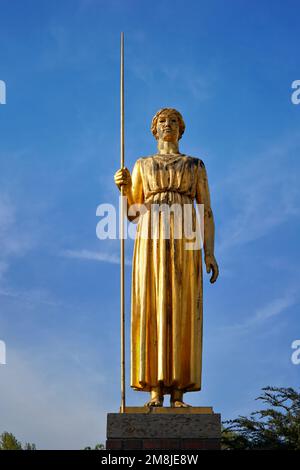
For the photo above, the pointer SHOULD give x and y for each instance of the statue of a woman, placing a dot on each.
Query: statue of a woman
(166, 294)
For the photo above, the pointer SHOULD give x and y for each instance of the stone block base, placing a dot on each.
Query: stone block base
(163, 444)
(168, 429)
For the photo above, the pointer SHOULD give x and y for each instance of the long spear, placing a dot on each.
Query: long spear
(122, 237)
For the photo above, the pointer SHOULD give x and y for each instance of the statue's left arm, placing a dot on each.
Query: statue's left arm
(203, 197)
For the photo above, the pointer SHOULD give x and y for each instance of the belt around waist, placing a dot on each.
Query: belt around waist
(151, 194)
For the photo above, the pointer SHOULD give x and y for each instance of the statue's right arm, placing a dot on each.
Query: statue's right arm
(132, 188)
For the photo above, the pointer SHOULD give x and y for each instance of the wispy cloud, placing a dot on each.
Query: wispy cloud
(200, 86)
(95, 256)
(14, 241)
(17, 243)
(3, 269)
(259, 195)
(61, 50)
(274, 307)
(30, 296)
(271, 309)
(56, 413)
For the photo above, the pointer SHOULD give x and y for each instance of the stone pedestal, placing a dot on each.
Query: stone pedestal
(139, 428)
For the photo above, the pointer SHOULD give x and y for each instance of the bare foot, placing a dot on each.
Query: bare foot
(179, 404)
(156, 401)
(176, 399)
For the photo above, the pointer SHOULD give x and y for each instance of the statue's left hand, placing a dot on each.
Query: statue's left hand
(212, 265)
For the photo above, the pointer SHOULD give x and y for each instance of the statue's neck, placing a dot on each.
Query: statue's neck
(166, 148)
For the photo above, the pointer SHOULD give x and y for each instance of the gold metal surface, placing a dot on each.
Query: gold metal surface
(167, 284)
(206, 410)
(122, 241)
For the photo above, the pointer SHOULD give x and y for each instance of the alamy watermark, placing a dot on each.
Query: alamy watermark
(156, 221)
(295, 97)
(2, 352)
(2, 92)
(295, 358)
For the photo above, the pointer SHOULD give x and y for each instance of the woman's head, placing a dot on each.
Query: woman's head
(167, 122)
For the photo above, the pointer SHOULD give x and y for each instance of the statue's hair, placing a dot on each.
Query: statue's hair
(169, 111)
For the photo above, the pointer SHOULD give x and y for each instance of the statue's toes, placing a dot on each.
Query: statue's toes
(180, 404)
(153, 403)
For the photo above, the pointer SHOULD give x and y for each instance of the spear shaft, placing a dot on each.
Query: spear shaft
(122, 273)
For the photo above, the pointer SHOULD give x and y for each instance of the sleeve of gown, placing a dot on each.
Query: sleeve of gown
(136, 195)
(202, 188)
(203, 197)
(137, 184)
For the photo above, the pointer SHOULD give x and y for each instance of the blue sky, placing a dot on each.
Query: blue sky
(228, 67)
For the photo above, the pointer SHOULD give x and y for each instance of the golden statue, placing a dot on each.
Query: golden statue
(167, 287)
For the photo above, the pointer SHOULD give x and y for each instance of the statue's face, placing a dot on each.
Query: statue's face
(168, 127)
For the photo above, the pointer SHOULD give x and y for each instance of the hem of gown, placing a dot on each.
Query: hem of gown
(166, 390)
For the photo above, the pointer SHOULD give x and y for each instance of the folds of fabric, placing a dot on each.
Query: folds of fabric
(166, 296)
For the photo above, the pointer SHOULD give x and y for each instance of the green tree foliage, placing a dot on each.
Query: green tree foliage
(275, 427)
(9, 442)
(29, 446)
(97, 447)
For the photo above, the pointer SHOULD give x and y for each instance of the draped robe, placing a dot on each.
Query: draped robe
(167, 286)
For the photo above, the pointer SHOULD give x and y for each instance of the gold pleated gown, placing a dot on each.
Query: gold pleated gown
(166, 295)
